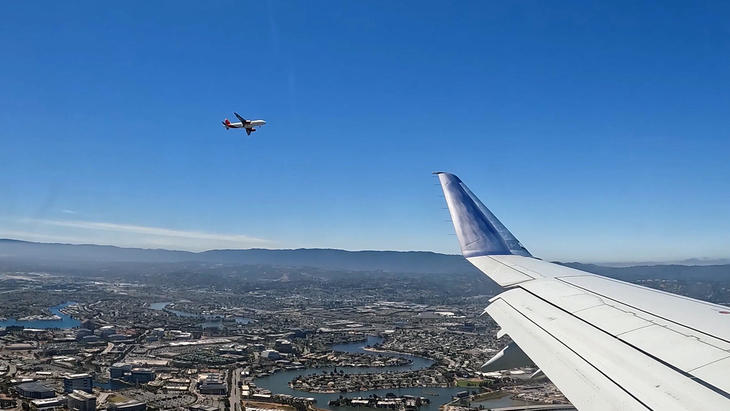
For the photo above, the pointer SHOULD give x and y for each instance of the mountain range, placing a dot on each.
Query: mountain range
(329, 259)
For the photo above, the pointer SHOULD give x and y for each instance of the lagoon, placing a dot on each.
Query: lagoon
(65, 321)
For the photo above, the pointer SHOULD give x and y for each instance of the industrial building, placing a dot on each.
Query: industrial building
(34, 390)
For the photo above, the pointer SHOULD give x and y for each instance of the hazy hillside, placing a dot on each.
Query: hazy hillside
(712, 273)
(326, 259)
(87, 252)
(388, 261)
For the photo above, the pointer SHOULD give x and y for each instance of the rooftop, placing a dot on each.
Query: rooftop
(77, 376)
(33, 386)
(81, 395)
(46, 401)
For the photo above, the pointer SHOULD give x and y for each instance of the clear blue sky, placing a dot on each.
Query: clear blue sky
(594, 131)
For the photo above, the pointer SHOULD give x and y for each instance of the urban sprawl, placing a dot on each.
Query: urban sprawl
(110, 344)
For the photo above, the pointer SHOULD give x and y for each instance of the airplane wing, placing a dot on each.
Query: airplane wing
(606, 344)
(243, 120)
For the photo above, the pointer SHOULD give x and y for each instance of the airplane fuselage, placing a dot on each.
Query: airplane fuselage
(249, 124)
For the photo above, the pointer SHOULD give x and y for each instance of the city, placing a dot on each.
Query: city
(281, 344)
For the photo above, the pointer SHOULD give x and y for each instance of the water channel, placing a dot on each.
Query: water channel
(210, 320)
(65, 321)
(278, 383)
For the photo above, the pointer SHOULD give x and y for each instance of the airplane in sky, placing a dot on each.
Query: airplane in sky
(248, 125)
(606, 344)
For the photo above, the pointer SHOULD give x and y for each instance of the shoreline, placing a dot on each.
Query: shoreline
(366, 389)
(378, 350)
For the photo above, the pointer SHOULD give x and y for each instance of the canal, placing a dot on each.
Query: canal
(278, 383)
(209, 320)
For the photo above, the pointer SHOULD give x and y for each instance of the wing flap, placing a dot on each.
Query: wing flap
(675, 344)
(670, 345)
(716, 372)
(710, 322)
(584, 385)
(613, 321)
(707, 318)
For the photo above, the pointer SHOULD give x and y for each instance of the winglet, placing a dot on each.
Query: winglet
(478, 230)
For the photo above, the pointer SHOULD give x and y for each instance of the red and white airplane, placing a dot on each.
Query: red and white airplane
(249, 125)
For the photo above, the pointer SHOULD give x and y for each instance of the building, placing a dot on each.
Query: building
(81, 401)
(117, 337)
(106, 331)
(88, 324)
(34, 390)
(141, 375)
(83, 332)
(7, 401)
(272, 355)
(82, 382)
(283, 345)
(19, 347)
(49, 404)
(213, 384)
(90, 339)
(119, 370)
(130, 405)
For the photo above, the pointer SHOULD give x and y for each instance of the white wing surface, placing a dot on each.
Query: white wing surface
(606, 344)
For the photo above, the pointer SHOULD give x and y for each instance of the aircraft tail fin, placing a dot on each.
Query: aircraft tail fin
(478, 230)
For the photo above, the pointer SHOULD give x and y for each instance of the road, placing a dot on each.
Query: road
(109, 347)
(10, 369)
(234, 398)
(192, 389)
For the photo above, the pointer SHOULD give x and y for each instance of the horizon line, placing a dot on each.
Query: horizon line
(685, 262)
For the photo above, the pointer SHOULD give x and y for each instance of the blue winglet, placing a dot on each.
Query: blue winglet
(478, 230)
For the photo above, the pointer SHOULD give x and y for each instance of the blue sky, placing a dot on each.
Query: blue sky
(594, 131)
